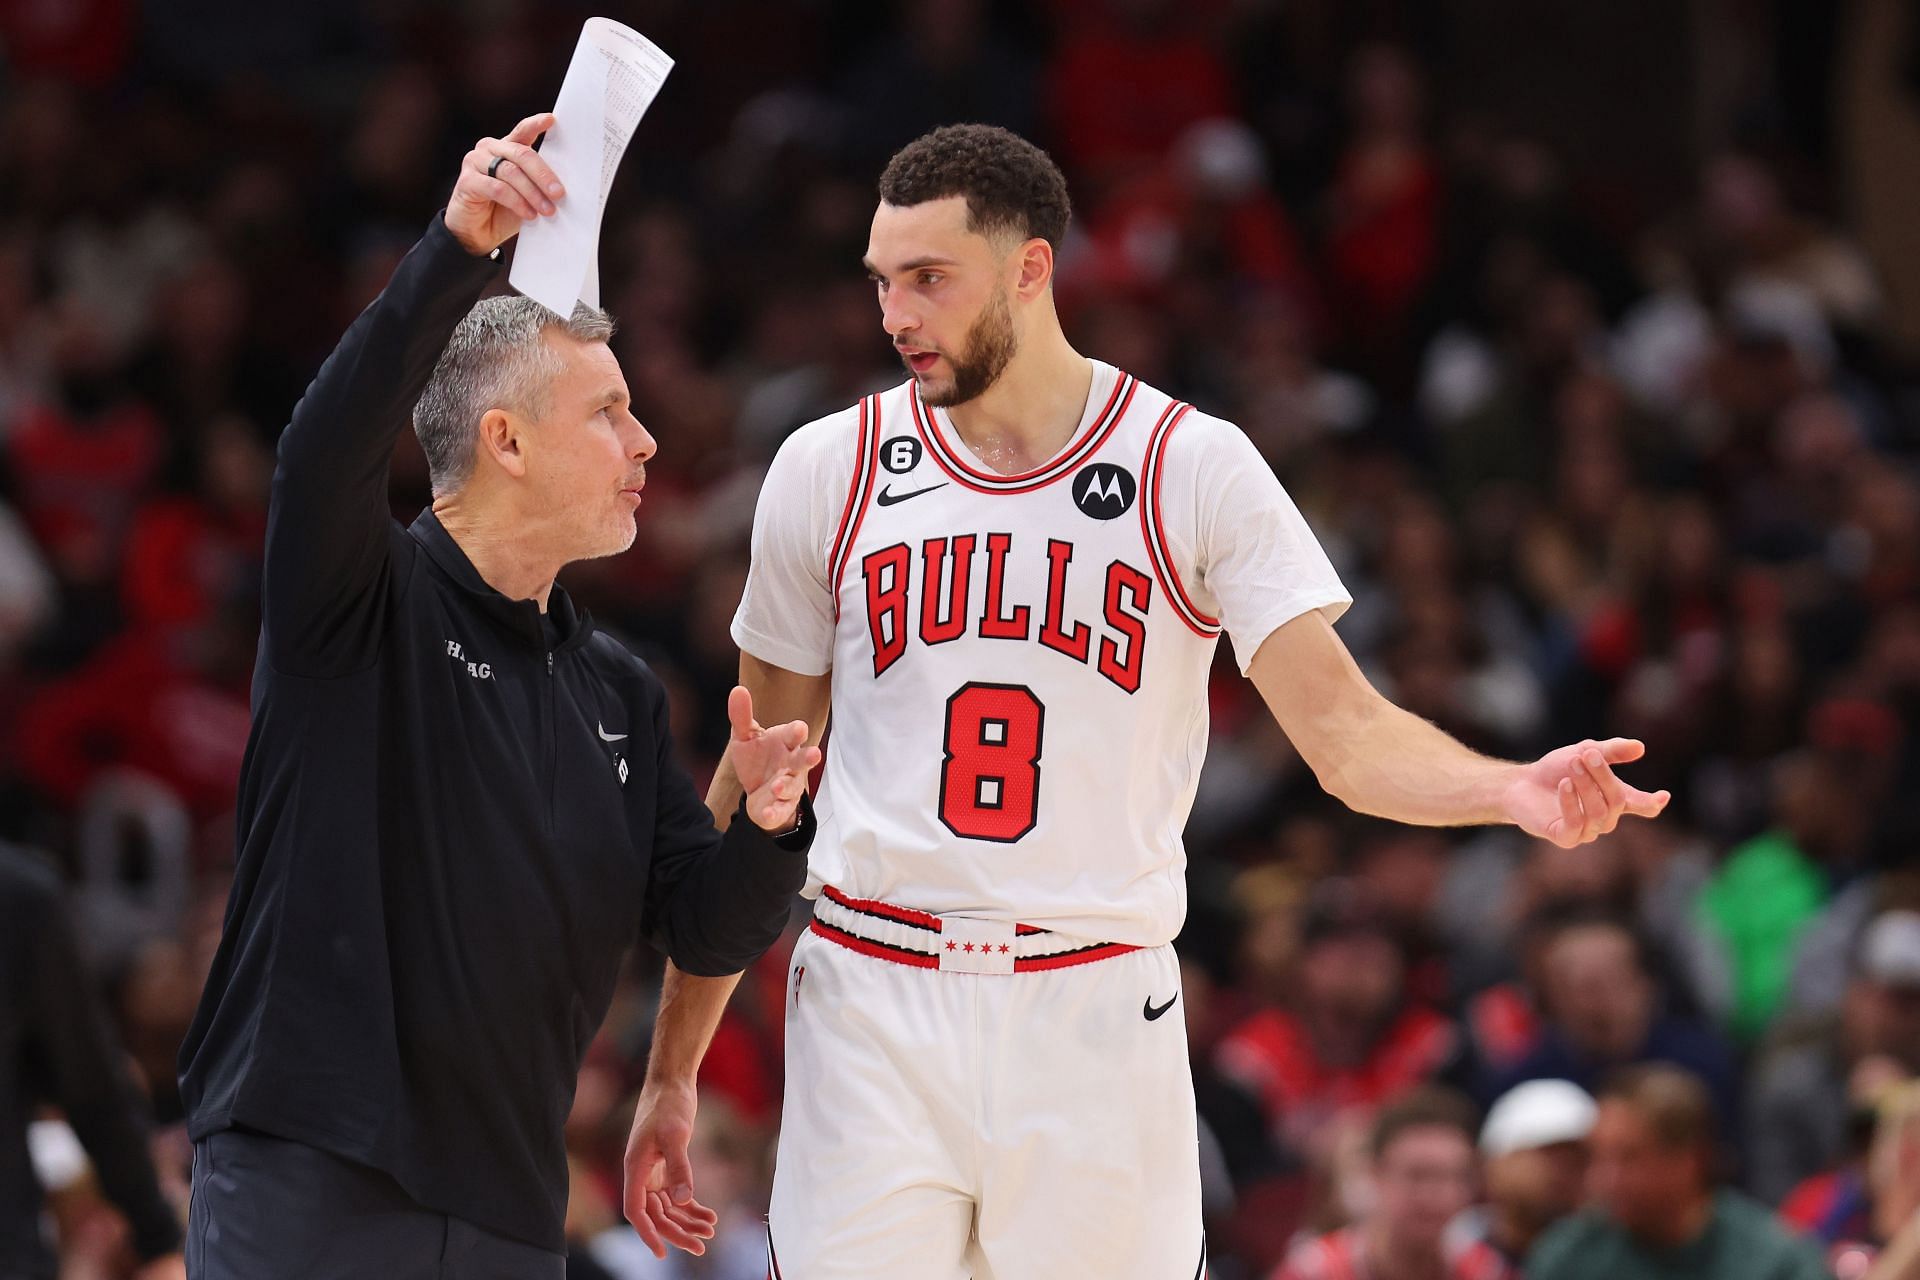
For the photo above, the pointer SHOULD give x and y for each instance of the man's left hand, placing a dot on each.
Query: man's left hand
(1571, 796)
(772, 764)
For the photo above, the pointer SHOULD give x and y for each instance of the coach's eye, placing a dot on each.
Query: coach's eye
(930, 277)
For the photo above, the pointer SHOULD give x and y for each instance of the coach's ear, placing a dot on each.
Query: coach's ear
(1035, 259)
(502, 440)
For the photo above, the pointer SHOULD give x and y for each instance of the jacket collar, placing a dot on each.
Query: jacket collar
(521, 617)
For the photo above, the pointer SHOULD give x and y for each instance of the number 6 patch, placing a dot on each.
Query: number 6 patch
(900, 454)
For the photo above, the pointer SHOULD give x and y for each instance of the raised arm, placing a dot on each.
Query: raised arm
(328, 526)
(1379, 759)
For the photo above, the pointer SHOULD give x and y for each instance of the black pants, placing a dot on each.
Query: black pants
(266, 1209)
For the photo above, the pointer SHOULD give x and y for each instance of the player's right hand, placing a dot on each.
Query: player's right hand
(484, 212)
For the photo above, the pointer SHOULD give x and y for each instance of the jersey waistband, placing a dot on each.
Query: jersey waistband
(949, 943)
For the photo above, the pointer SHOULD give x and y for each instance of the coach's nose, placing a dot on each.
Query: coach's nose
(636, 439)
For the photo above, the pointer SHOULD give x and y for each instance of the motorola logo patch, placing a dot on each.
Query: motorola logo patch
(1104, 491)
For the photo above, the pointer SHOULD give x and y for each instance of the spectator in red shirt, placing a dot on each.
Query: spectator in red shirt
(1203, 211)
(1351, 1040)
(1384, 206)
(1423, 1175)
(190, 554)
(1130, 79)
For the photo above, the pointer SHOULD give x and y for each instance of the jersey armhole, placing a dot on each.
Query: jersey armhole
(1153, 526)
(859, 493)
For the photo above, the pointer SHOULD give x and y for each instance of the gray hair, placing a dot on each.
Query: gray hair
(497, 358)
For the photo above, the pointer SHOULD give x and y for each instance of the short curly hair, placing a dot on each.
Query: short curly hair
(1010, 184)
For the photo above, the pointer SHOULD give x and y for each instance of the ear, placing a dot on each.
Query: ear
(1034, 261)
(502, 438)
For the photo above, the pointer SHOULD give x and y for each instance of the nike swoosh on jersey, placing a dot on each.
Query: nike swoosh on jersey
(605, 736)
(887, 497)
(1148, 1012)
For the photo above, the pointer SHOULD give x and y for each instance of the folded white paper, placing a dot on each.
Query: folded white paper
(615, 74)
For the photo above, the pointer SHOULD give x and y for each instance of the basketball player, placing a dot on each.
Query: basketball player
(1008, 575)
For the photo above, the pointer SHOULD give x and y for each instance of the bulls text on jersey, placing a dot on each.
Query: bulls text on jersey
(927, 596)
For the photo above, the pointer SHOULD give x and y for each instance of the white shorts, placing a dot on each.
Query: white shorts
(943, 1123)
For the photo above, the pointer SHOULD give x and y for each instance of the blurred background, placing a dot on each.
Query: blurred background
(1586, 335)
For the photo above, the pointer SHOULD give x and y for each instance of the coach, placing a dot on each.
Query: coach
(459, 803)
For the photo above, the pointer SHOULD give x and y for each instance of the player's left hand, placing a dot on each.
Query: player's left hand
(1571, 796)
(772, 764)
(659, 1192)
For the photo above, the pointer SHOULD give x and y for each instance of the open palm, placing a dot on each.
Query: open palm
(772, 764)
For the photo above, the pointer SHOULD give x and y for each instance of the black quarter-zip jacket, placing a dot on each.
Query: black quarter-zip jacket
(454, 817)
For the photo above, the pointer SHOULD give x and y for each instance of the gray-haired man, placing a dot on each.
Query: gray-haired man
(459, 803)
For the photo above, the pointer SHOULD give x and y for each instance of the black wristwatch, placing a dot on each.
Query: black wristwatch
(802, 821)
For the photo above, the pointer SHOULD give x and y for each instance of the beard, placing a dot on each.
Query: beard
(990, 347)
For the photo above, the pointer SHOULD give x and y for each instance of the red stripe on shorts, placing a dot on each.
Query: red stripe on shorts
(884, 910)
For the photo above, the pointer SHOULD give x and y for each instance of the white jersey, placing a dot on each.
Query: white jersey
(1020, 661)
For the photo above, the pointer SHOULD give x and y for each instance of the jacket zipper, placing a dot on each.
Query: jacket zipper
(553, 764)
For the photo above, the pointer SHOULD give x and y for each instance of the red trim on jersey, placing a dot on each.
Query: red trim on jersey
(878, 950)
(1153, 530)
(859, 496)
(1067, 959)
(1105, 423)
(884, 910)
(835, 548)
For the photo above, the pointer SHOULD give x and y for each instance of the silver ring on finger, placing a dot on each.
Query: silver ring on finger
(493, 170)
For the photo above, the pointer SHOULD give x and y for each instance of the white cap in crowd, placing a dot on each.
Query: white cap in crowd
(1539, 1113)
(1890, 949)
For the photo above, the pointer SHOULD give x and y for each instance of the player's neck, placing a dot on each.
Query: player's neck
(1029, 414)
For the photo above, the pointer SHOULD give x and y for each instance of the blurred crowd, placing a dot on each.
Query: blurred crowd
(1589, 363)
